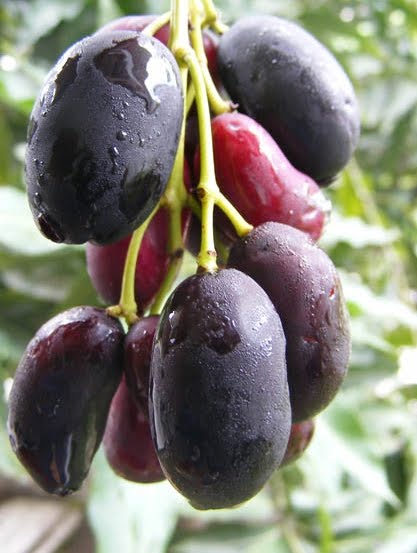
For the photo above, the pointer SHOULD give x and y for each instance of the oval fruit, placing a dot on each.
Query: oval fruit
(61, 396)
(254, 174)
(137, 359)
(219, 405)
(285, 79)
(127, 440)
(304, 287)
(103, 137)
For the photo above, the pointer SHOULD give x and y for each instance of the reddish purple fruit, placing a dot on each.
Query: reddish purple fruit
(303, 284)
(61, 396)
(254, 174)
(137, 359)
(300, 437)
(105, 263)
(127, 440)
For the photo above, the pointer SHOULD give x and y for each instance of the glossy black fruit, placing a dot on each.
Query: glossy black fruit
(282, 77)
(103, 136)
(219, 405)
(61, 396)
(304, 287)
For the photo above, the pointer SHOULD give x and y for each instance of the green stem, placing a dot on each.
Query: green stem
(207, 186)
(157, 24)
(127, 306)
(242, 227)
(212, 17)
(217, 104)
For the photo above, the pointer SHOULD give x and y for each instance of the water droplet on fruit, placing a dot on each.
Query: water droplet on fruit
(121, 135)
(114, 154)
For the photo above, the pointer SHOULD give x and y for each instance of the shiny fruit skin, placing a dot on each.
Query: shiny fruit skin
(127, 440)
(300, 437)
(103, 137)
(105, 264)
(254, 174)
(304, 287)
(61, 396)
(219, 405)
(282, 77)
(137, 359)
(139, 22)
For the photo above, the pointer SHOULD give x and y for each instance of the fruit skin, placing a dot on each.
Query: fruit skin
(304, 287)
(61, 396)
(105, 264)
(137, 359)
(219, 406)
(139, 22)
(300, 437)
(103, 136)
(127, 440)
(285, 79)
(254, 174)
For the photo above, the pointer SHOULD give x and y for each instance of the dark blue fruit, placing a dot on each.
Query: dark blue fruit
(103, 136)
(61, 396)
(282, 77)
(219, 404)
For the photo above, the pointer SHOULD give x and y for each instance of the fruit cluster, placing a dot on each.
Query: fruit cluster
(158, 134)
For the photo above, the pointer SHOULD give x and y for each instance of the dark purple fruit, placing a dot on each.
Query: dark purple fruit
(282, 77)
(103, 136)
(219, 405)
(61, 396)
(300, 438)
(127, 440)
(304, 287)
(137, 359)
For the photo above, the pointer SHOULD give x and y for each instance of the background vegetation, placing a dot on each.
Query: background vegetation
(355, 490)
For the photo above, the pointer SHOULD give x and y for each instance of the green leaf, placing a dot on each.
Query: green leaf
(18, 232)
(130, 517)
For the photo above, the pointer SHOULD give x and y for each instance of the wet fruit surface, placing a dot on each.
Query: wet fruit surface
(219, 404)
(103, 138)
(305, 289)
(282, 77)
(61, 395)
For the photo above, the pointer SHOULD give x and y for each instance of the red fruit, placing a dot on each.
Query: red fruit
(254, 174)
(127, 441)
(300, 438)
(105, 263)
(137, 359)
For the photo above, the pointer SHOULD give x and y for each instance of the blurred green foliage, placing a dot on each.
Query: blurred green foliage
(355, 490)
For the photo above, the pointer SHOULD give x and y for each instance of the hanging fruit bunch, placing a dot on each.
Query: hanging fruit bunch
(157, 134)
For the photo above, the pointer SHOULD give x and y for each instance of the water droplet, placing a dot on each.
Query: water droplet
(121, 135)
